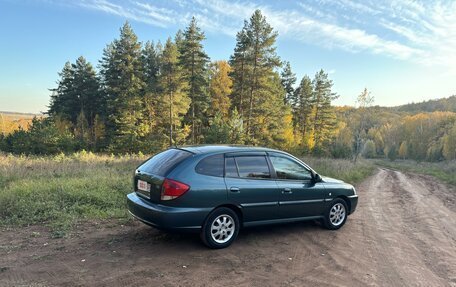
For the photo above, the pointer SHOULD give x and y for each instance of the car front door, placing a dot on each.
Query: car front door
(250, 185)
(299, 195)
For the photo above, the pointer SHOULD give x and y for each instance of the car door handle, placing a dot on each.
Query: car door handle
(234, 189)
(287, 190)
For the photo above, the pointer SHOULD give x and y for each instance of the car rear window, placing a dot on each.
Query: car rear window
(253, 166)
(211, 165)
(162, 163)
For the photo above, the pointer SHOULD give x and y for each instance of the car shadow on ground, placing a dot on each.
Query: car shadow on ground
(143, 236)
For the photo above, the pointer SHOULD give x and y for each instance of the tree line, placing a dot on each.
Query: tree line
(147, 96)
(144, 97)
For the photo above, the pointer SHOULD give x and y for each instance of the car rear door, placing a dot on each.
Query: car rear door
(299, 195)
(250, 185)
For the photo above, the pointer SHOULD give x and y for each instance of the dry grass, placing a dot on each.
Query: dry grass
(341, 168)
(61, 190)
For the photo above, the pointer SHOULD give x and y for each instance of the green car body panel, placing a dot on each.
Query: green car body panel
(256, 201)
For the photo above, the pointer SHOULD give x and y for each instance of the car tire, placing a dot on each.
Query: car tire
(220, 228)
(336, 214)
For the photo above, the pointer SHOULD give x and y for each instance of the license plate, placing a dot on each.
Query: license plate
(143, 185)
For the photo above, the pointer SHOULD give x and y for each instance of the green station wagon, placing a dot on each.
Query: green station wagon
(217, 190)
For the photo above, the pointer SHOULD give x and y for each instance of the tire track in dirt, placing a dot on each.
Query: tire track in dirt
(402, 234)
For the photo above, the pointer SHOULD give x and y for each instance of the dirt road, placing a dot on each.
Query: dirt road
(403, 234)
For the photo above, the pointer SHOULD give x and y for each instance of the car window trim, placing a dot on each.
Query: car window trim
(234, 155)
(224, 168)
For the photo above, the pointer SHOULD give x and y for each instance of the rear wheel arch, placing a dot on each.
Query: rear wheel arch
(236, 209)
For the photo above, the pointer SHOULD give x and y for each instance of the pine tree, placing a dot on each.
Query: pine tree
(63, 98)
(288, 79)
(302, 103)
(255, 89)
(123, 79)
(150, 59)
(87, 87)
(194, 62)
(173, 100)
(179, 40)
(323, 113)
(263, 60)
(236, 125)
(220, 89)
(78, 95)
(269, 124)
(240, 69)
(151, 67)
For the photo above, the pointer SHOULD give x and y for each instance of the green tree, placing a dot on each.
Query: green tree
(194, 62)
(263, 60)
(257, 88)
(151, 68)
(323, 113)
(173, 99)
(123, 80)
(219, 130)
(222, 131)
(236, 125)
(369, 149)
(288, 79)
(302, 103)
(449, 143)
(63, 98)
(240, 69)
(78, 94)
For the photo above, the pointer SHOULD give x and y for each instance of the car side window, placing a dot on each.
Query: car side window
(211, 165)
(253, 167)
(287, 168)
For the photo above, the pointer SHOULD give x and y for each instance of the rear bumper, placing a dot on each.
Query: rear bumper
(166, 217)
(353, 203)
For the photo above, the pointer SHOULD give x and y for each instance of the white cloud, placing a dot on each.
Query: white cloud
(141, 12)
(418, 31)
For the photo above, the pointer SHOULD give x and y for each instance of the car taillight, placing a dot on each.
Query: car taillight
(172, 189)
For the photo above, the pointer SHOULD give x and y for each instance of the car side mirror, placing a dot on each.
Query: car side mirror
(317, 178)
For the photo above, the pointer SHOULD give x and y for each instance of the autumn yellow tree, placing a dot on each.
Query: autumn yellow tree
(403, 150)
(220, 89)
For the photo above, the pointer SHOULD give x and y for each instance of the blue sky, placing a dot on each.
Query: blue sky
(402, 51)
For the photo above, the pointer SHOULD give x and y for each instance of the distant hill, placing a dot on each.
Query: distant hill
(445, 104)
(11, 121)
(20, 115)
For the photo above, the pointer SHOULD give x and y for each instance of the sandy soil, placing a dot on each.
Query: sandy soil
(403, 234)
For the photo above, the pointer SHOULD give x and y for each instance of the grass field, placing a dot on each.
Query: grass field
(445, 170)
(63, 190)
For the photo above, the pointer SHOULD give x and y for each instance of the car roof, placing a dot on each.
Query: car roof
(206, 149)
